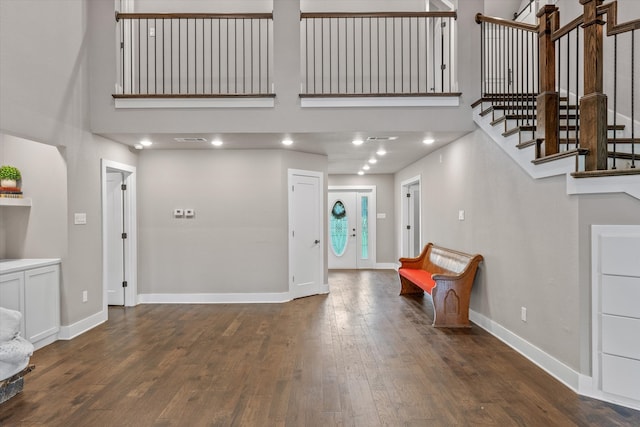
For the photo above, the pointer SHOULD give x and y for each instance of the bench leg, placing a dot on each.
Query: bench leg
(450, 309)
(408, 288)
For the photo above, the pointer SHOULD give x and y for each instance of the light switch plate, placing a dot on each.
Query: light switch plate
(178, 213)
(80, 218)
(189, 213)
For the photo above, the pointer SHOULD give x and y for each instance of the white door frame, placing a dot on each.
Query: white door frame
(323, 287)
(373, 211)
(130, 243)
(403, 211)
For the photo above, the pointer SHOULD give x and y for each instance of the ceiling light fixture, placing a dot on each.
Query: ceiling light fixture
(357, 142)
(360, 172)
(216, 143)
(381, 152)
(373, 161)
(287, 141)
(138, 147)
(146, 143)
(428, 141)
(366, 167)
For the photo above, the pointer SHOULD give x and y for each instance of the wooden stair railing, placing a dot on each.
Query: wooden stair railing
(578, 121)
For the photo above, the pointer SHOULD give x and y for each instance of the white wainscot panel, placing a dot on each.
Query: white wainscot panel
(621, 376)
(621, 295)
(621, 336)
(621, 255)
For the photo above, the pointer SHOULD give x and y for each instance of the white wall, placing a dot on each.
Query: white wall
(39, 231)
(44, 81)
(238, 240)
(385, 203)
(526, 230)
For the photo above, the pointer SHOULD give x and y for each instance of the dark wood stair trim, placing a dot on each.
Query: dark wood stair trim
(561, 155)
(608, 172)
(525, 144)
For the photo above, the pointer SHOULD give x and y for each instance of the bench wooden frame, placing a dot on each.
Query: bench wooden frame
(453, 273)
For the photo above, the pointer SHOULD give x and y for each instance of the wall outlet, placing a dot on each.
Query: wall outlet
(461, 215)
(189, 213)
(85, 296)
(523, 313)
(178, 213)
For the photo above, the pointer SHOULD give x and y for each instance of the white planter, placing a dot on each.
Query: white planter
(8, 183)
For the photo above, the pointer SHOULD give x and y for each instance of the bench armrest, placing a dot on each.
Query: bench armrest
(416, 262)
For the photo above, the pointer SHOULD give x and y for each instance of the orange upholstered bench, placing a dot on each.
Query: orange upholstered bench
(447, 276)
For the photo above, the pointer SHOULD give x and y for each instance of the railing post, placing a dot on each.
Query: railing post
(593, 105)
(547, 100)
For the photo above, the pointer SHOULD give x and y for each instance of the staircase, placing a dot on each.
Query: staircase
(511, 122)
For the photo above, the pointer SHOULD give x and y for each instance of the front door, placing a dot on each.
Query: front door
(350, 229)
(305, 239)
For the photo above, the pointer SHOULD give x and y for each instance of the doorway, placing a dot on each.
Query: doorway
(119, 260)
(411, 244)
(306, 231)
(352, 227)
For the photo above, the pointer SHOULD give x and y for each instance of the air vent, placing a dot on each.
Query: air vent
(381, 138)
(190, 139)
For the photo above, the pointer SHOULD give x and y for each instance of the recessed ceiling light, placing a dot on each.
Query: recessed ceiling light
(138, 147)
(381, 152)
(366, 167)
(373, 160)
(428, 141)
(216, 142)
(287, 141)
(146, 143)
(360, 172)
(357, 142)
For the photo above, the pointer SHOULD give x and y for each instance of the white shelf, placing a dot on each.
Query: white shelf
(15, 202)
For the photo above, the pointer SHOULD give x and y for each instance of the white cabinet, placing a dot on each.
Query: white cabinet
(616, 313)
(33, 288)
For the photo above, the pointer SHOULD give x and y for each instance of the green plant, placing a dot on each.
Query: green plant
(10, 172)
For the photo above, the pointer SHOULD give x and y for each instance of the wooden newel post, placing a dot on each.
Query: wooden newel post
(547, 100)
(593, 105)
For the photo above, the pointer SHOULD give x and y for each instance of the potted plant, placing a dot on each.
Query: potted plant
(9, 176)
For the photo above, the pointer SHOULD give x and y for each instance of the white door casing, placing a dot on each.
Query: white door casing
(306, 237)
(411, 214)
(358, 253)
(130, 225)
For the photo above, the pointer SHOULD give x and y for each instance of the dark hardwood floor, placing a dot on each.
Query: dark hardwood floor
(360, 356)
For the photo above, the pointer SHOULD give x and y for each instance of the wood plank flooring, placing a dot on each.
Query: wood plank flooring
(360, 356)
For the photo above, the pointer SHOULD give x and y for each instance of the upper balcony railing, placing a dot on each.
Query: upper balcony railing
(194, 55)
(378, 54)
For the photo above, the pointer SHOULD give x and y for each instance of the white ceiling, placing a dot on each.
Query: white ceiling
(343, 156)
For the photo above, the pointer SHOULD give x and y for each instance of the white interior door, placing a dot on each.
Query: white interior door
(411, 241)
(115, 244)
(306, 226)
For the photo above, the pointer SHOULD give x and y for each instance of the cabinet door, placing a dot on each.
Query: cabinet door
(12, 294)
(42, 302)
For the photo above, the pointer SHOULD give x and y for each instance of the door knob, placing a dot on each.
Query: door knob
(316, 241)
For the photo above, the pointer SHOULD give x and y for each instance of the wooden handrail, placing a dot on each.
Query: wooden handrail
(566, 29)
(120, 16)
(506, 23)
(613, 28)
(311, 15)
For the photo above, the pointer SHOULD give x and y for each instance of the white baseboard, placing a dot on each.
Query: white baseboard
(227, 298)
(386, 266)
(550, 364)
(82, 326)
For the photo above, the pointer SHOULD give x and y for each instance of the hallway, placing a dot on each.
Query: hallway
(360, 356)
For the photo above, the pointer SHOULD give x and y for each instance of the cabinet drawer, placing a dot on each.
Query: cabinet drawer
(621, 376)
(621, 336)
(620, 295)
